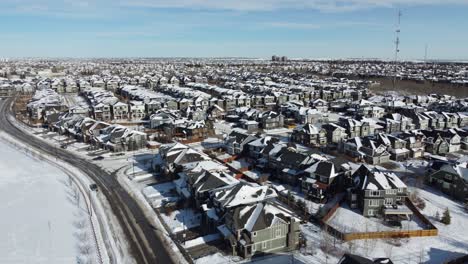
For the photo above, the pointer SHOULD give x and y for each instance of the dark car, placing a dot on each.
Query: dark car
(99, 158)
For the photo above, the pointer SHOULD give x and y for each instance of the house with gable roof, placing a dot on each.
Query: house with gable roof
(310, 135)
(252, 222)
(321, 179)
(378, 192)
(451, 179)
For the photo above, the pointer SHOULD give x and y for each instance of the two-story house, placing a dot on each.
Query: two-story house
(321, 180)
(378, 192)
(237, 141)
(452, 179)
(252, 222)
(310, 135)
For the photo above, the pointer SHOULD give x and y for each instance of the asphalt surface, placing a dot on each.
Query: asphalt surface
(145, 245)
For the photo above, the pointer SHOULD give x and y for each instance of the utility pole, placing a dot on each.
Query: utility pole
(397, 47)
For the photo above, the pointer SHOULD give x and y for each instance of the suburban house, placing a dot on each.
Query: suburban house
(119, 138)
(270, 120)
(414, 143)
(395, 146)
(252, 222)
(366, 149)
(236, 142)
(120, 111)
(287, 163)
(194, 130)
(321, 180)
(452, 179)
(256, 146)
(377, 192)
(441, 142)
(310, 135)
(335, 133)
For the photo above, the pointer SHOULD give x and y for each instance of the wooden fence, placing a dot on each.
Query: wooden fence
(429, 230)
(389, 234)
(333, 210)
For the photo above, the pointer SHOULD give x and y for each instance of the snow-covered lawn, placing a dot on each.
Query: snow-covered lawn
(216, 258)
(451, 242)
(156, 194)
(43, 218)
(183, 219)
(202, 240)
(352, 221)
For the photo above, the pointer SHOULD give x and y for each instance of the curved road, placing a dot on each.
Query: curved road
(145, 244)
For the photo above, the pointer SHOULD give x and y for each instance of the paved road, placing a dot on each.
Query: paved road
(145, 245)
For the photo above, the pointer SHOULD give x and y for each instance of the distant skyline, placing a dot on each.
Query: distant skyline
(233, 28)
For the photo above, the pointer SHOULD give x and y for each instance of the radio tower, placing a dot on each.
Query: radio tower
(397, 47)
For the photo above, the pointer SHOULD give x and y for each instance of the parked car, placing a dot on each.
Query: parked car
(99, 158)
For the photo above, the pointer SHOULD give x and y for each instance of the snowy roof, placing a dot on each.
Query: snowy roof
(372, 178)
(242, 194)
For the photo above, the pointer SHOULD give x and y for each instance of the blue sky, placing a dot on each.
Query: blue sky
(218, 28)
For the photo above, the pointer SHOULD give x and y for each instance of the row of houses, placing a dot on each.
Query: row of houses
(99, 134)
(45, 102)
(321, 178)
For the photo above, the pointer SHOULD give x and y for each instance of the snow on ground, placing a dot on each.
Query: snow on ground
(202, 240)
(352, 221)
(451, 242)
(43, 219)
(216, 258)
(312, 207)
(183, 219)
(158, 193)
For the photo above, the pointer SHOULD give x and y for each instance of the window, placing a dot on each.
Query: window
(254, 248)
(373, 203)
(374, 193)
(254, 234)
(264, 245)
(388, 201)
(391, 191)
(401, 190)
(370, 212)
(278, 233)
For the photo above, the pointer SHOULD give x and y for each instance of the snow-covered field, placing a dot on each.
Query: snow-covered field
(43, 219)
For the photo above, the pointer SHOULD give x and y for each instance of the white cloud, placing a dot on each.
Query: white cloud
(83, 8)
(269, 5)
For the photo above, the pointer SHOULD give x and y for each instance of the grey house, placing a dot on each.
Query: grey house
(250, 221)
(321, 180)
(452, 180)
(378, 192)
(237, 141)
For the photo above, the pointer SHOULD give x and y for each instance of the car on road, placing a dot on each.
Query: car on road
(99, 158)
